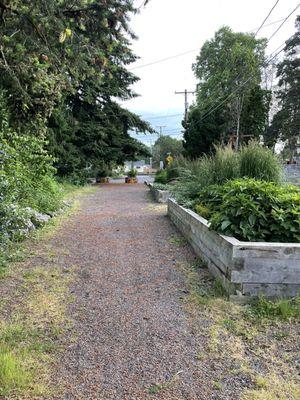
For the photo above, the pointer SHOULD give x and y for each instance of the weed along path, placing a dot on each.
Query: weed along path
(112, 304)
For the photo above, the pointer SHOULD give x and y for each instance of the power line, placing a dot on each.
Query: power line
(186, 104)
(163, 116)
(164, 59)
(262, 24)
(212, 109)
(196, 49)
(160, 127)
(284, 21)
(269, 24)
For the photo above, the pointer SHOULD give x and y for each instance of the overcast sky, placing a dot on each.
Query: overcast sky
(169, 27)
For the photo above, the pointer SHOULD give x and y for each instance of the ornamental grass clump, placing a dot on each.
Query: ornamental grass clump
(224, 165)
(256, 161)
(252, 161)
(194, 176)
(132, 173)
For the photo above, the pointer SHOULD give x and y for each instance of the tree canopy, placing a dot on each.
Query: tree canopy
(230, 100)
(62, 66)
(164, 146)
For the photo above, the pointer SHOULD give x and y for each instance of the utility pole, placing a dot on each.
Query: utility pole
(186, 104)
(161, 127)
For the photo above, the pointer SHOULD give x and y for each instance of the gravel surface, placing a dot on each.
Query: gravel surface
(131, 328)
(145, 320)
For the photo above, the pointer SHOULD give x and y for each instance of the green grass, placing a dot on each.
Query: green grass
(243, 336)
(29, 339)
(15, 377)
(177, 240)
(217, 385)
(158, 387)
(18, 363)
(281, 309)
(155, 389)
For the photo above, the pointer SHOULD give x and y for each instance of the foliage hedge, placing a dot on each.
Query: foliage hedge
(162, 186)
(250, 209)
(26, 178)
(161, 176)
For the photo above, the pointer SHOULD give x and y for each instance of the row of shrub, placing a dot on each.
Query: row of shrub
(26, 181)
(242, 194)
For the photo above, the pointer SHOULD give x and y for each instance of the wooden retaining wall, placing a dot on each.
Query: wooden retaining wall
(161, 196)
(245, 269)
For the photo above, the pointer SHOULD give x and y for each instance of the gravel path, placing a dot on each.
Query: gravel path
(132, 332)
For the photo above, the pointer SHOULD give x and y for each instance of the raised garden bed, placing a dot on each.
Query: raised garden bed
(246, 269)
(161, 196)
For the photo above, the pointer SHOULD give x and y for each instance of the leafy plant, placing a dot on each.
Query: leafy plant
(161, 176)
(26, 178)
(203, 211)
(161, 186)
(254, 210)
(132, 173)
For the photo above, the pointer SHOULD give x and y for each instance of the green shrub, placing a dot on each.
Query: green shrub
(256, 161)
(172, 172)
(253, 161)
(202, 210)
(132, 173)
(161, 176)
(254, 210)
(161, 186)
(224, 165)
(26, 178)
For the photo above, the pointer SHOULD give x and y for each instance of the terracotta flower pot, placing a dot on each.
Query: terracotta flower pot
(130, 180)
(104, 180)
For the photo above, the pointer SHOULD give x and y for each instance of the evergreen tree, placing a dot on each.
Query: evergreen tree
(60, 60)
(201, 134)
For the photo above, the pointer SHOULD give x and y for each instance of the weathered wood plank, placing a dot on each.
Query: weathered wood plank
(271, 290)
(268, 271)
(161, 196)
